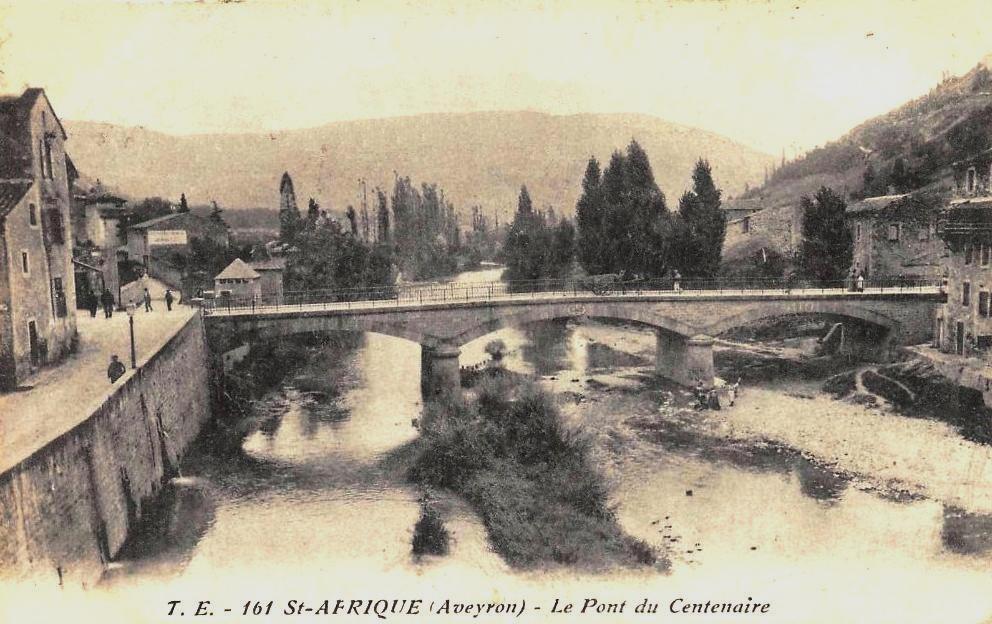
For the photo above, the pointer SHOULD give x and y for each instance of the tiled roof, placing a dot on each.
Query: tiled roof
(147, 224)
(238, 270)
(11, 193)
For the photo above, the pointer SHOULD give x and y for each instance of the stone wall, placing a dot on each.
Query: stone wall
(780, 227)
(66, 510)
(896, 248)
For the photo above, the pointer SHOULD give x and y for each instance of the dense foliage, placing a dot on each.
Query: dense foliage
(826, 251)
(625, 226)
(537, 245)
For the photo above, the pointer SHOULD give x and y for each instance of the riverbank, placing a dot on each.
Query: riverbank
(529, 476)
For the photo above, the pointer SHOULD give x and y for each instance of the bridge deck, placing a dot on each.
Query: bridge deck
(438, 299)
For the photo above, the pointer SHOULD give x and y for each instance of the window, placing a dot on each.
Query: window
(966, 294)
(32, 215)
(56, 228)
(986, 254)
(58, 297)
(983, 303)
(893, 231)
(967, 254)
(857, 232)
(745, 225)
(971, 181)
(48, 158)
(25, 267)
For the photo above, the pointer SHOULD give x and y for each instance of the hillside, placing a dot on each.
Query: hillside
(906, 149)
(478, 158)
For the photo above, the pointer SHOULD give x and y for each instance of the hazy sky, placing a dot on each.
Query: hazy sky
(773, 75)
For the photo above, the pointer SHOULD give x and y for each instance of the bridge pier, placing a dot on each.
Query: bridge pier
(440, 373)
(684, 360)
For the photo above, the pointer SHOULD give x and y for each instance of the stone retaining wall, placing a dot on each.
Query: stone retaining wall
(67, 509)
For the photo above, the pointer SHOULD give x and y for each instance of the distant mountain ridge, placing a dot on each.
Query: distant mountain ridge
(477, 158)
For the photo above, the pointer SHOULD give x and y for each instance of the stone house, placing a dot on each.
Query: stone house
(964, 323)
(895, 236)
(238, 281)
(37, 286)
(98, 241)
(778, 228)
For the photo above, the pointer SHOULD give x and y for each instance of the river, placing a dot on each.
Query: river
(317, 505)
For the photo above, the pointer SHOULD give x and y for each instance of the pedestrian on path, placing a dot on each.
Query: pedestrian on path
(676, 282)
(148, 301)
(168, 300)
(107, 300)
(92, 303)
(861, 282)
(116, 369)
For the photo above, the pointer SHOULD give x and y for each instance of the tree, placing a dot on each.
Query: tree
(622, 217)
(289, 213)
(382, 216)
(589, 216)
(216, 214)
(313, 212)
(525, 256)
(183, 206)
(352, 217)
(706, 226)
(827, 249)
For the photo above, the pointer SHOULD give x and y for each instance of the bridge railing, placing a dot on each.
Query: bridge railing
(416, 294)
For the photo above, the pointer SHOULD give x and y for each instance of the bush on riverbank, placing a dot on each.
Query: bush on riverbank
(528, 475)
(430, 537)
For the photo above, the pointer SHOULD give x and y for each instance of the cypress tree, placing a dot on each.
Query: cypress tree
(827, 249)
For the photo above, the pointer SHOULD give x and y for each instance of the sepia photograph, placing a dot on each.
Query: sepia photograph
(478, 311)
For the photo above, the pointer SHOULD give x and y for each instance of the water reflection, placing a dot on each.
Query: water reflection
(819, 482)
(966, 533)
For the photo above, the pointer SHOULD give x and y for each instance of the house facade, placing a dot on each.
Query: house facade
(964, 323)
(98, 239)
(37, 288)
(896, 236)
(238, 281)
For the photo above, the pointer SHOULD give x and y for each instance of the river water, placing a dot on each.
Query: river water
(317, 505)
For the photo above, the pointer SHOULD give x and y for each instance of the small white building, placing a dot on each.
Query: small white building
(238, 281)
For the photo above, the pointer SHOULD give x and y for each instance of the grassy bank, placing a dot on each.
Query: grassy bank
(528, 476)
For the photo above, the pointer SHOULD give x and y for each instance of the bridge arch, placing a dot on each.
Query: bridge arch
(465, 332)
(756, 311)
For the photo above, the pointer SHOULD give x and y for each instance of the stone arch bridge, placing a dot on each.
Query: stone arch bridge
(685, 322)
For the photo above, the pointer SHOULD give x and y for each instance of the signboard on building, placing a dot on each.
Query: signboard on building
(166, 237)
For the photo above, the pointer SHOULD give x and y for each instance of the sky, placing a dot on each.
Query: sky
(773, 75)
